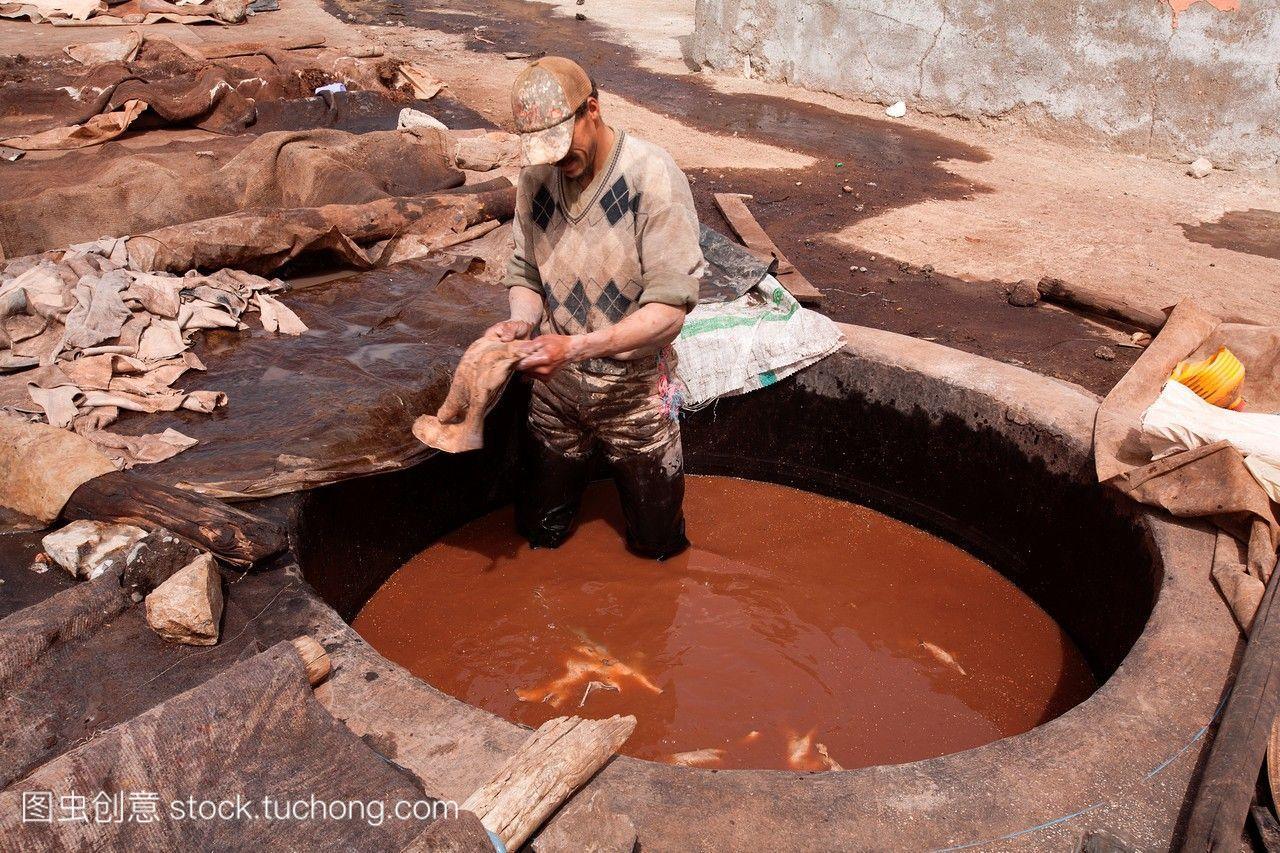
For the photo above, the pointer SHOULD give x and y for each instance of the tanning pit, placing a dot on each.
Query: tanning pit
(983, 459)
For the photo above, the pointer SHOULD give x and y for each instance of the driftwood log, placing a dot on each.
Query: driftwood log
(279, 235)
(230, 534)
(758, 243)
(1235, 756)
(544, 772)
(1059, 292)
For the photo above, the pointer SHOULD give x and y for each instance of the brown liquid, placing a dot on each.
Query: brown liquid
(796, 625)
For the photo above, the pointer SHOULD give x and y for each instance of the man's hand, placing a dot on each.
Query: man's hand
(509, 330)
(546, 354)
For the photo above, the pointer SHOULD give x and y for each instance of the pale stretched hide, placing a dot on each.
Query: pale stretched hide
(478, 382)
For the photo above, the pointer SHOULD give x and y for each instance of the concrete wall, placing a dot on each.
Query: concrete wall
(1117, 71)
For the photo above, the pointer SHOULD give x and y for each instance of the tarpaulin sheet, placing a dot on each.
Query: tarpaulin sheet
(254, 731)
(55, 695)
(338, 401)
(1210, 482)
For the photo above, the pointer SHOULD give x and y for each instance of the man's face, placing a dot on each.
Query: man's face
(582, 150)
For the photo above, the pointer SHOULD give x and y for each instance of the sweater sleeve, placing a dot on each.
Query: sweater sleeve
(522, 270)
(670, 257)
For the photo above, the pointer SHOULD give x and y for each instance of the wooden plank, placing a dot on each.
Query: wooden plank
(734, 208)
(1235, 756)
(544, 772)
(231, 534)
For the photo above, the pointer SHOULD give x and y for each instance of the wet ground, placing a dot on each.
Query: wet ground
(886, 165)
(801, 633)
(1254, 231)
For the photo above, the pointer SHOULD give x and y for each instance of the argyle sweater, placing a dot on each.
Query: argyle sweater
(628, 239)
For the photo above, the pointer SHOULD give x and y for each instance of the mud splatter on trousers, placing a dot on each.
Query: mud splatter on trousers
(625, 408)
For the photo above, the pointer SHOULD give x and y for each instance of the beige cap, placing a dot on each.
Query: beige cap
(544, 98)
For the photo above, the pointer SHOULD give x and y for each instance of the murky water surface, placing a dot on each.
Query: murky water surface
(798, 632)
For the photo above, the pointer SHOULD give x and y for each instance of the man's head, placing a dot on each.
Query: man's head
(557, 113)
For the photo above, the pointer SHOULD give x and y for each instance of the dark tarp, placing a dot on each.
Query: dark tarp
(361, 112)
(338, 401)
(253, 731)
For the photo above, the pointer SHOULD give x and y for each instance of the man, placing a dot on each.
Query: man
(606, 266)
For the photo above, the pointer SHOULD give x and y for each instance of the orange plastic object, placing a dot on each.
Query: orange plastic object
(1216, 379)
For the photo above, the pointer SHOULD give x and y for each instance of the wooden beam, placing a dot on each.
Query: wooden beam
(544, 772)
(1235, 756)
(734, 208)
(124, 496)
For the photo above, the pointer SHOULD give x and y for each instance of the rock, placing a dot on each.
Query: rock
(847, 188)
(86, 549)
(897, 110)
(1105, 353)
(410, 117)
(154, 559)
(594, 829)
(1140, 339)
(188, 606)
(580, 16)
(1200, 168)
(1024, 294)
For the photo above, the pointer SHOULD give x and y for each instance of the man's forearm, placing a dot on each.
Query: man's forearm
(652, 326)
(526, 305)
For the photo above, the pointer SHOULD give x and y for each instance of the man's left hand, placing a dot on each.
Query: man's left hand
(546, 354)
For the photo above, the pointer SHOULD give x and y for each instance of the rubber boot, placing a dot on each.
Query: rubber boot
(653, 506)
(550, 494)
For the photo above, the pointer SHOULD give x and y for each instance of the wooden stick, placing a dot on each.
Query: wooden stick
(231, 534)
(544, 772)
(314, 657)
(734, 208)
(1063, 293)
(1235, 757)
(249, 48)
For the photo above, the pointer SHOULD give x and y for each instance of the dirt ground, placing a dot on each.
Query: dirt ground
(940, 215)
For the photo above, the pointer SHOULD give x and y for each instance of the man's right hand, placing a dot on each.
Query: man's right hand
(510, 330)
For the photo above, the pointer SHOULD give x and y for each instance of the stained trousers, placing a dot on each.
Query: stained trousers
(619, 407)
